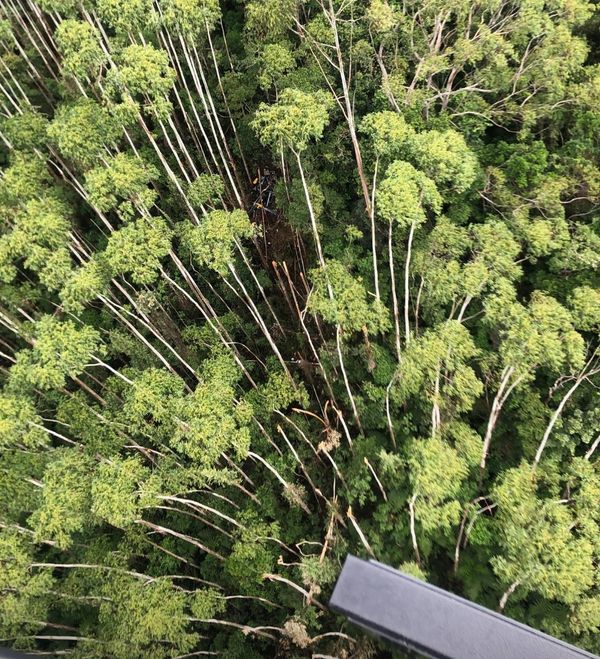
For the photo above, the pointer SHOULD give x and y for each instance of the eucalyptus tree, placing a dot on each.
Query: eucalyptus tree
(291, 123)
(214, 384)
(403, 196)
(538, 336)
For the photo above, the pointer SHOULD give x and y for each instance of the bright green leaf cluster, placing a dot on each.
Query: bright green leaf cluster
(79, 45)
(348, 306)
(121, 184)
(60, 349)
(405, 193)
(292, 122)
(213, 241)
(191, 17)
(115, 490)
(138, 248)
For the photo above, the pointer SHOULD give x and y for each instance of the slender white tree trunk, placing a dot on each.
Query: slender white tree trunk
(504, 391)
(395, 305)
(373, 233)
(407, 283)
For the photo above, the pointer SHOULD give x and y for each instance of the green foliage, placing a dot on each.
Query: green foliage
(121, 184)
(523, 164)
(66, 500)
(20, 424)
(349, 307)
(79, 45)
(445, 158)
(541, 334)
(81, 130)
(278, 393)
(114, 490)
(268, 20)
(191, 17)
(585, 617)
(292, 202)
(63, 6)
(381, 16)
(144, 74)
(389, 133)
(411, 568)
(26, 131)
(210, 420)
(83, 285)
(276, 60)
(585, 302)
(125, 15)
(295, 120)
(531, 526)
(207, 603)
(250, 559)
(60, 349)
(138, 619)
(494, 263)
(436, 366)
(212, 243)
(26, 178)
(24, 594)
(214, 390)
(317, 572)
(436, 475)
(39, 240)
(205, 189)
(138, 248)
(404, 193)
(152, 396)
(96, 434)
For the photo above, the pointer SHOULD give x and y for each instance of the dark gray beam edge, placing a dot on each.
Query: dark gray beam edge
(434, 622)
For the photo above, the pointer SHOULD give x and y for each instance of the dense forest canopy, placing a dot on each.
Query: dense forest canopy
(282, 280)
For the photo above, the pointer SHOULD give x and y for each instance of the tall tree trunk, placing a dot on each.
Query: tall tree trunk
(407, 283)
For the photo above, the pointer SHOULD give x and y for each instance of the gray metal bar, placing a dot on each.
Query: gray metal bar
(434, 622)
